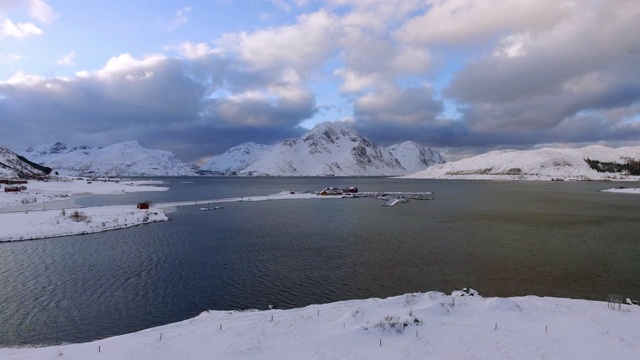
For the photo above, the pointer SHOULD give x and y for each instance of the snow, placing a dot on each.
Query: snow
(38, 211)
(540, 164)
(122, 159)
(55, 193)
(40, 224)
(438, 326)
(11, 166)
(329, 148)
(624, 190)
(236, 158)
(415, 157)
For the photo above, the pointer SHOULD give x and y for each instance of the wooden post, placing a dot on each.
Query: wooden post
(546, 328)
(271, 317)
(220, 326)
(496, 328)
(318, 312)
(380, 342)
(98, 349)
(160, 336)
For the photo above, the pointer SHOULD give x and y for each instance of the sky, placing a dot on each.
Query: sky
(198, 77)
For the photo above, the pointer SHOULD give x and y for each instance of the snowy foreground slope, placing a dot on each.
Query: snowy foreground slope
(122, 159)
(414, 326)
(541, 164)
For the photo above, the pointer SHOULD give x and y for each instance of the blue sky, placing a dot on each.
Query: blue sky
(197, 77)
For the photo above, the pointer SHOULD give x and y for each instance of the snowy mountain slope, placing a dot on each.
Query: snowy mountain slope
(123, 159)
(328, 149)
(12, 166)
(236, 158)
(542, 164)
(415, 157)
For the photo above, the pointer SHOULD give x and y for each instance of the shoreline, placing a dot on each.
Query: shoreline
(40, 211)
(462, 325)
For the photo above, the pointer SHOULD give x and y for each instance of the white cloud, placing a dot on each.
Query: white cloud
(180, 18)
(461, 21)
(19, 31)
(10, 58)
(303, 46)
(193, 51)
(288, 5)
(41, 11)
(68, 59)
(354, 81)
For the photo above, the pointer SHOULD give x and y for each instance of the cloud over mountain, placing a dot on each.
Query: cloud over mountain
(463, 75)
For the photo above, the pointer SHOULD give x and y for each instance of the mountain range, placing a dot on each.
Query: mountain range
(330, 148)
(593, 162)
(122, 159)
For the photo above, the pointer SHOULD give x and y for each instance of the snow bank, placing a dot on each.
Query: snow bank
(414, 326)
(40, 224)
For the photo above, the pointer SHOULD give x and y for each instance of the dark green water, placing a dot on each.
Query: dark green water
(564, 239)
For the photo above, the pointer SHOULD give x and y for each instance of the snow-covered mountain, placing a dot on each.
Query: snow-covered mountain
(13, 166)
(541, 164)
(235, 159)
(329, 148)
(415, 157)
(122, 159)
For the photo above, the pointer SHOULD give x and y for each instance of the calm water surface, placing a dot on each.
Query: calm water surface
(502, 238)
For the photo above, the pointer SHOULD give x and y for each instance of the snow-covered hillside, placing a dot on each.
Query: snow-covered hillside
(123, 159)
(11, 166)
(235, 159)
(415, 157)
(541, 164)
(329, 148)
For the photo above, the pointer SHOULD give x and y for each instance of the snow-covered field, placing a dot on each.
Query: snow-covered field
(57, 194)
(46, 209)
(414, 326)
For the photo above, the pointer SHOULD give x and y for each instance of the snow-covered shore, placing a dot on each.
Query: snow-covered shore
(46, 209)
(624, 190)
(414, 326)
(30, 225)
(60, 194)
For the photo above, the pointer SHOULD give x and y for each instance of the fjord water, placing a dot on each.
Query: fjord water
(563, 239)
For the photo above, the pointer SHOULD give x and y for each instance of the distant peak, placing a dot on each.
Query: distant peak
(330, 130)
